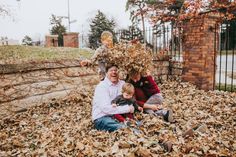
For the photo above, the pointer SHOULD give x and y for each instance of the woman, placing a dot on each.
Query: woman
(148, 95)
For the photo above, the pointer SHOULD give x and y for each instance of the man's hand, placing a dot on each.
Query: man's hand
(131, 108)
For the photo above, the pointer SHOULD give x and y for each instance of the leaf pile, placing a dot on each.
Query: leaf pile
(129, 56)
(64, 127)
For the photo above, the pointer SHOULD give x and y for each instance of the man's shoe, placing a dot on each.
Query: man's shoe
(168, 116)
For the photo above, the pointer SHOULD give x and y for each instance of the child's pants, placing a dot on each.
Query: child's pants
(102, 69)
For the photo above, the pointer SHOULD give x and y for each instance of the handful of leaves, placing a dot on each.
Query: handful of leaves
(128, 56)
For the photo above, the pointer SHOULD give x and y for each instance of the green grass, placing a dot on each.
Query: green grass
(229, 52)
(228, 87)
(18, 54)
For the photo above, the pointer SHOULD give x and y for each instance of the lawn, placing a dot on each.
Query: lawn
(18, 54)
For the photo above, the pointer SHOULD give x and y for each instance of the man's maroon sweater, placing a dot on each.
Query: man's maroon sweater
(144, 89)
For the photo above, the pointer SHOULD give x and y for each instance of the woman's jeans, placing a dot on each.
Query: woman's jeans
(156, 99)
(107, 123)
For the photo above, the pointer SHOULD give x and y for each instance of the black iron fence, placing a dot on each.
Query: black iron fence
(164, 38)
(226, 56)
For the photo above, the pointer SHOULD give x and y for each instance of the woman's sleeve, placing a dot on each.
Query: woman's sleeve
(140, 103)
(140, 97)
(153, 86)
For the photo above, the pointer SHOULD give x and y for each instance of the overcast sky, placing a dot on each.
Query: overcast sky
(31, 17)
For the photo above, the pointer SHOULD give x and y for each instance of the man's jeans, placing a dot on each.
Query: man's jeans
(107, 123)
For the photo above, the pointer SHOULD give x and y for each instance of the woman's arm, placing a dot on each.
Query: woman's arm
(153, 88)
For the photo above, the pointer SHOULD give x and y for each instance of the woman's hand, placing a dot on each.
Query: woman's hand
(140, 109)
(153, 107)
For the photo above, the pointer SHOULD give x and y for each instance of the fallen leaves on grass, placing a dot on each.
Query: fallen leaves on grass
(64, 128)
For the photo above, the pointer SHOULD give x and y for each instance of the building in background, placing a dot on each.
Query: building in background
(51, 41)
(71, 39)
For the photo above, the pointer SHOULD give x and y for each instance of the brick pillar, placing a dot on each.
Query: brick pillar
(51, 41)
(71, 39)
(199, 46)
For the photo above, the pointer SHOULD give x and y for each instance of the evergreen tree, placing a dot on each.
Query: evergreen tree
(27, 41)
(99, 24)
(57, 28)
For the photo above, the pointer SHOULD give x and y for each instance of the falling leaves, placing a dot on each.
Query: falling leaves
(129, 56)
(64, 127)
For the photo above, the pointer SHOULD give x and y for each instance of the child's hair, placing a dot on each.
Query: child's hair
(105, 35)
(128, 88)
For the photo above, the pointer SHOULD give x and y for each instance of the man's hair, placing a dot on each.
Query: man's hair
(108, 66)
(105, 35)
(128, 88)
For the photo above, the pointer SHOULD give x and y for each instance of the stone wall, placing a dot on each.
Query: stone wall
(164, 70)
(199, 48)
(33, 84)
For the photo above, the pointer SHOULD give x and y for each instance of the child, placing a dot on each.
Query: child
(148, 95)
(107, 43)
(125, 98)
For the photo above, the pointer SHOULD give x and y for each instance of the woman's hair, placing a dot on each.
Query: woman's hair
(128, 88)
(133, 73)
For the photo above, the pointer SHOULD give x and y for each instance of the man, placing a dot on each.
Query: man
(102, 109)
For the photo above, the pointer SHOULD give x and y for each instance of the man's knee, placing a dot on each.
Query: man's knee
(107, 124)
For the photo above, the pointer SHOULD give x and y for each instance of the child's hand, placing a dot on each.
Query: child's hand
(140, 109)
(85, 62)
(114, 105)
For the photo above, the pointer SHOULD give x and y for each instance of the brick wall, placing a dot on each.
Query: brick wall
(51, 41)
(71, 39)
(199, 52)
